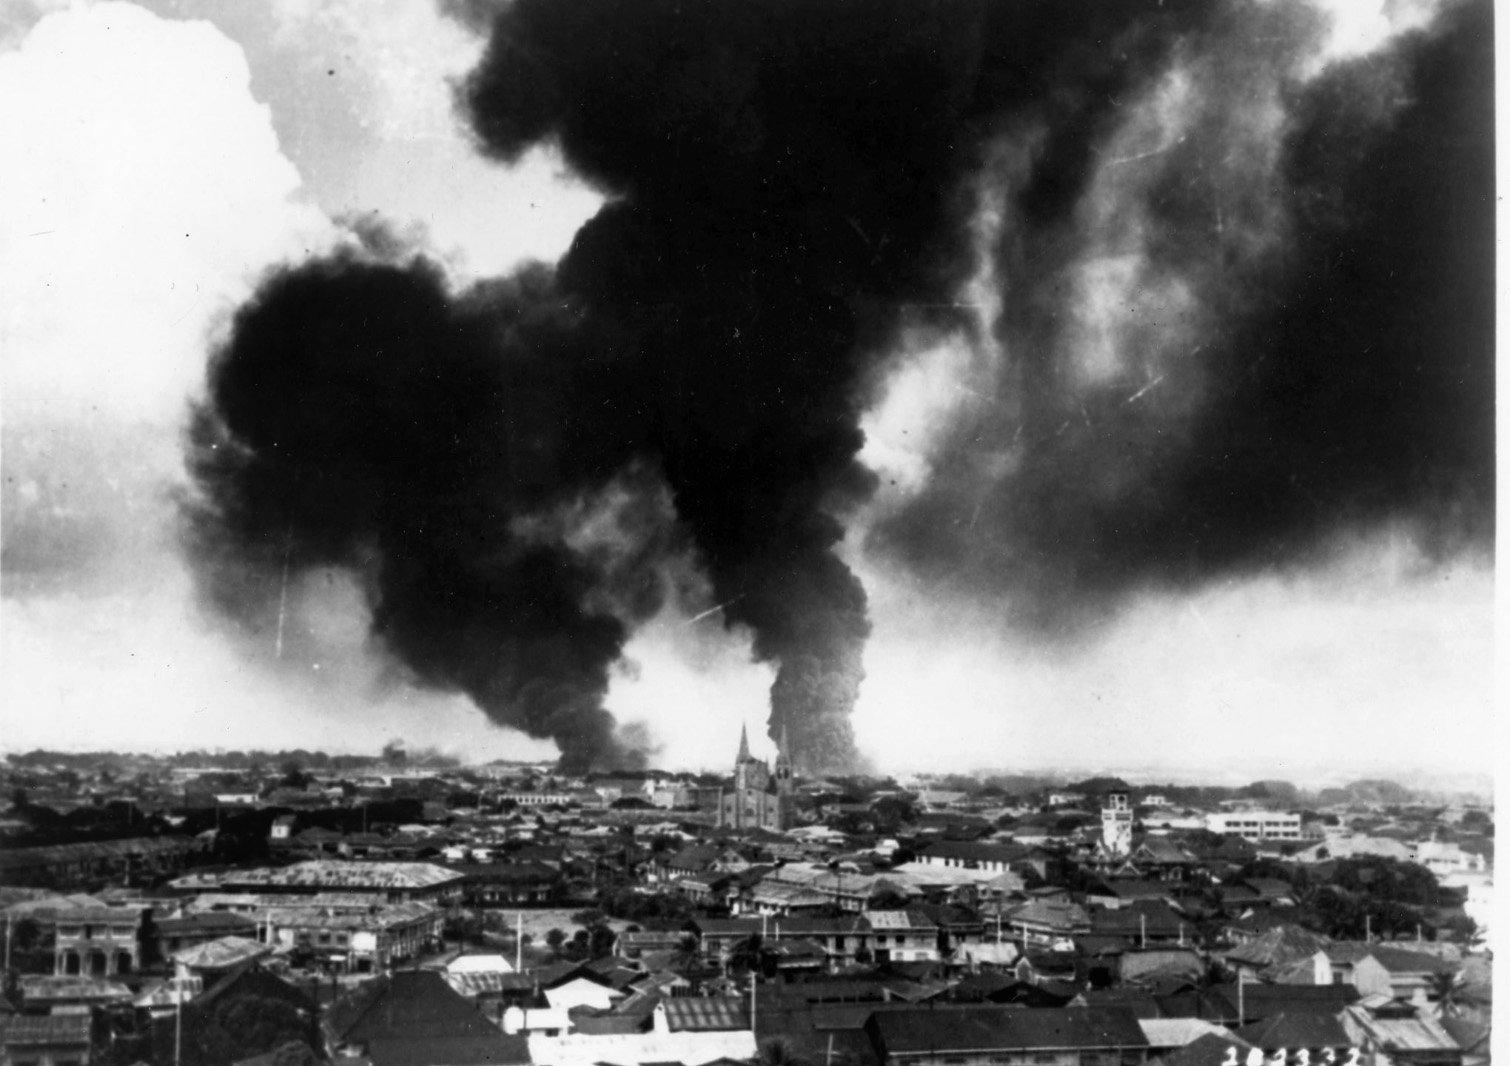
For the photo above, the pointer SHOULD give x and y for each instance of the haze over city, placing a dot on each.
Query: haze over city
(1125, 408)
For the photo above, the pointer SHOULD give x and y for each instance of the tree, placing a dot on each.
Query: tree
(1445, 989)
(294, 775)
(601, 940)
(780, 1052)
(554, 939)
(687, 958)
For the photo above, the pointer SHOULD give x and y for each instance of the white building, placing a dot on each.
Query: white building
(1256, 825)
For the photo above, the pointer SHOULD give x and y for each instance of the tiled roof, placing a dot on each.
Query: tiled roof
(784, 927)
(940, 1031)
(728, 926)
(221, 954)
(972, 851)
(337, 874)
(204, 922)
(1307, 1030)
(1213, 1049)
(1266, 1001)
(112, 915)
(385, 916)
(1162, 851)
(1053, 913)
(1142, 1003)
(1280, 945)
(1179, 1032)
(405, 1004)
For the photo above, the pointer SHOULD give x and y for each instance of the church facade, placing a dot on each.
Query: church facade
(762, 797)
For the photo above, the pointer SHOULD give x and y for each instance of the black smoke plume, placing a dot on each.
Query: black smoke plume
(790, 186)
(1304, 352)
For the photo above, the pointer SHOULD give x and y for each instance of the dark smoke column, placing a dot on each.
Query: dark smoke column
(784, 176)
(362, 418)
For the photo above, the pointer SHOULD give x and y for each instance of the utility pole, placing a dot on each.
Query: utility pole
(178, 1016)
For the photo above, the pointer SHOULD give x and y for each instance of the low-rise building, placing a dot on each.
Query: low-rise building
(48, 1040)
(903, 936)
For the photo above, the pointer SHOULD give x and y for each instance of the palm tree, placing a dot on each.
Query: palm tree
(1445, 989)
(749, 954)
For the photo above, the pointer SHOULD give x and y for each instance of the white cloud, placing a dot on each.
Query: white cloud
(390, 66)
(143, 190)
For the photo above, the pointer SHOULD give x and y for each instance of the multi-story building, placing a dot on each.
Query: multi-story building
(366, 940)
(1256, 825)
(95, 941)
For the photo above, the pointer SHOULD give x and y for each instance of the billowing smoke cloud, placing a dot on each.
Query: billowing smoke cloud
(1267, 323)
(793, 189)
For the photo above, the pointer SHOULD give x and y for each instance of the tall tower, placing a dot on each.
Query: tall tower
(1116, 822)
(783, 770)
(742, 761)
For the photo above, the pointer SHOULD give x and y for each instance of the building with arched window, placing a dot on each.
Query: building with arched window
(762, 797)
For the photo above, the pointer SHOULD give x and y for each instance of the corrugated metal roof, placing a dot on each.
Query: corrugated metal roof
(41, 988)
(1400, 1034)
(704, 1015)
(21, 858)
(25, 1029)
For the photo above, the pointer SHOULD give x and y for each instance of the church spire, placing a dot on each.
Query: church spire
(744, 745)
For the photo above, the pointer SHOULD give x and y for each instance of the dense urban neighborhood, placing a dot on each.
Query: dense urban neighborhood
(294, 907)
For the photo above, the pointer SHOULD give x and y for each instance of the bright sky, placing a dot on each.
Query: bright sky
(153, 165)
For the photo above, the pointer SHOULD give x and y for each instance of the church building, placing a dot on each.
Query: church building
(762, 797)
